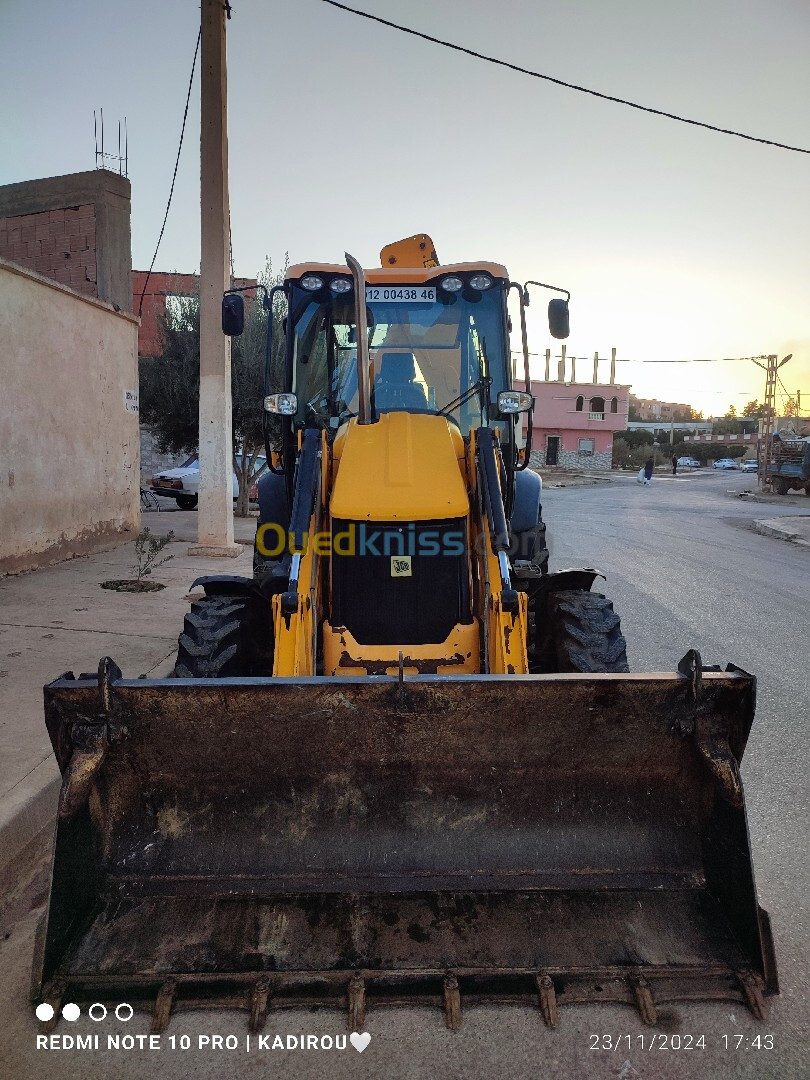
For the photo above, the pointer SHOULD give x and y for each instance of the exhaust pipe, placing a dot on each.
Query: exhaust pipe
(363, 381)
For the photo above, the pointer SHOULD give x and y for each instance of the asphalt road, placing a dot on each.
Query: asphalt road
(686, 570)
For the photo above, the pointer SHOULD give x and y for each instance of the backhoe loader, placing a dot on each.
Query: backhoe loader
(405, 761)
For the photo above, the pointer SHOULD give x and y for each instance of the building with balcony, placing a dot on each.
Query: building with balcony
(574, 423)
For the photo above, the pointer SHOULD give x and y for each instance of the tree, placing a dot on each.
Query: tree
(632, 413)
(791, 407)
(731, 414)
(170, 384)
(753, 410)
(636, 437)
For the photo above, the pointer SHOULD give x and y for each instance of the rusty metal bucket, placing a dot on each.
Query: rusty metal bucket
(253, 842)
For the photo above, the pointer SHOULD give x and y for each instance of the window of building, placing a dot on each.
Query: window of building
(598, 404)
(580, 403)
(614, 405)
(586, 446)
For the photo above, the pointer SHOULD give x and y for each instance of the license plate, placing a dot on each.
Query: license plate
(400, 294)
(164, 483)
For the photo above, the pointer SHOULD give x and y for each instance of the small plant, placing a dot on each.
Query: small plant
(147, 549)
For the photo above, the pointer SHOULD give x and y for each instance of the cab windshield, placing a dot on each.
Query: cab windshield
(429, 351)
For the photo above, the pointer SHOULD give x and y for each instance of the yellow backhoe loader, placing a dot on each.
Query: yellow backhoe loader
(404, 762)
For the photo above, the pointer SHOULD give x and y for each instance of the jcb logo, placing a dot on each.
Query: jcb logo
(401, 566)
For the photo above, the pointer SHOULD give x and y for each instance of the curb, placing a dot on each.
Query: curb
(779, 532)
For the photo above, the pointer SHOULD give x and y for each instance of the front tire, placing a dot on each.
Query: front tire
(580, 632)
(186, 502)
(226, 637)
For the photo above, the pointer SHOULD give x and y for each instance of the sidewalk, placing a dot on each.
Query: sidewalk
(58, 619)
(794, 528)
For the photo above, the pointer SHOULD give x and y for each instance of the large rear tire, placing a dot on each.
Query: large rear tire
(580, 632)
(780, 485)
(226, 637)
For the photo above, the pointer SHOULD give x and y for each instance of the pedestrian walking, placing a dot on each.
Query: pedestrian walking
(674, 465)
(649, 465)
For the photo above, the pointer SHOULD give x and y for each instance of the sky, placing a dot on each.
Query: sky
(676, 243)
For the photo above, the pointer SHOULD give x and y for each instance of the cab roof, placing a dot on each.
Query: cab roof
(381, 274)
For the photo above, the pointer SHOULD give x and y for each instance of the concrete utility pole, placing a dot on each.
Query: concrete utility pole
(215, 506)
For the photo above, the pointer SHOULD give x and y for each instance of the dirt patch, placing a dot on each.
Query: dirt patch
(131, 585)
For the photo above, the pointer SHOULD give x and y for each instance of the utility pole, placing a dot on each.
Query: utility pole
(215, 506)
(612, 366)
(548, 362)
(596, 367)
(768, 415)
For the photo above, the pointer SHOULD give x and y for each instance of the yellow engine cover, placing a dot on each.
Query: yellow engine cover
(404, 467)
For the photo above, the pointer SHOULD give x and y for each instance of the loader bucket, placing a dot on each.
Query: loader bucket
(255, 842)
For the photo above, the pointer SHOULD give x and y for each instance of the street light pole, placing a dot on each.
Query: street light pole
(215, 504)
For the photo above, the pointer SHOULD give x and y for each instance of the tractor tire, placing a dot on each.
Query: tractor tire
(226, 637)
(186, 502)
(580, 632)
(780, 485)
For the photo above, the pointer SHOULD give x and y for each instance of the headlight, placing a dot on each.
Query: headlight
(514, 401)
(311, 282)
(340, 285)
(452, 284)
(480, 282)
(282, 404)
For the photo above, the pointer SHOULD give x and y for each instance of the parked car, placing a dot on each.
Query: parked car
(725, 463)
(183, 483)
(750, 466)
(688, 463)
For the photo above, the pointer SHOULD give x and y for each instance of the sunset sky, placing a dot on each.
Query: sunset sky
(676, 243)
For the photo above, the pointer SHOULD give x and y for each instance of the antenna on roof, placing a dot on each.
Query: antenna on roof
(114, 162)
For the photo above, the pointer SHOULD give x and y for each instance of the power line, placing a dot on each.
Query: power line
(562, 82)
(626, 360)
(174, 174)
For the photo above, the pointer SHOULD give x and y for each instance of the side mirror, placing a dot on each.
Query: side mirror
(233, 314)
(558, 318)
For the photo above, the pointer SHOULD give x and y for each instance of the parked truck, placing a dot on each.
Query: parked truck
(789, 464)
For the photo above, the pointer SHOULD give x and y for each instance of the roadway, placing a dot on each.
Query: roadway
(686, 570)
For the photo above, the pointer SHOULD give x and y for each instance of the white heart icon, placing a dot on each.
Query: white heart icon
(359, 1042)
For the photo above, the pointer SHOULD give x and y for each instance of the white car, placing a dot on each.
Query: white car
(183, 483)
(750, 466)
(688, 463)
(725, 463)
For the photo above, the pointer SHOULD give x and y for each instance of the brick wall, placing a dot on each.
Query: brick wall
(158, 286)
(74, 230)
(60, 244)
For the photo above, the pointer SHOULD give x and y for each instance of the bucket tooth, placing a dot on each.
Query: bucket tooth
(452, 1003)
(753, 986)
(548, 1000)
(644, 999)
(357, 1003)
(163, 1006)
(53, 995)
(258, 1006)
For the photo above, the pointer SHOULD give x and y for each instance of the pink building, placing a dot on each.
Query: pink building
(574, 423)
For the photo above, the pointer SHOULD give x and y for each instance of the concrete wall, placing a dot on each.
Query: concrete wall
(74, 229)
(69, 444)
